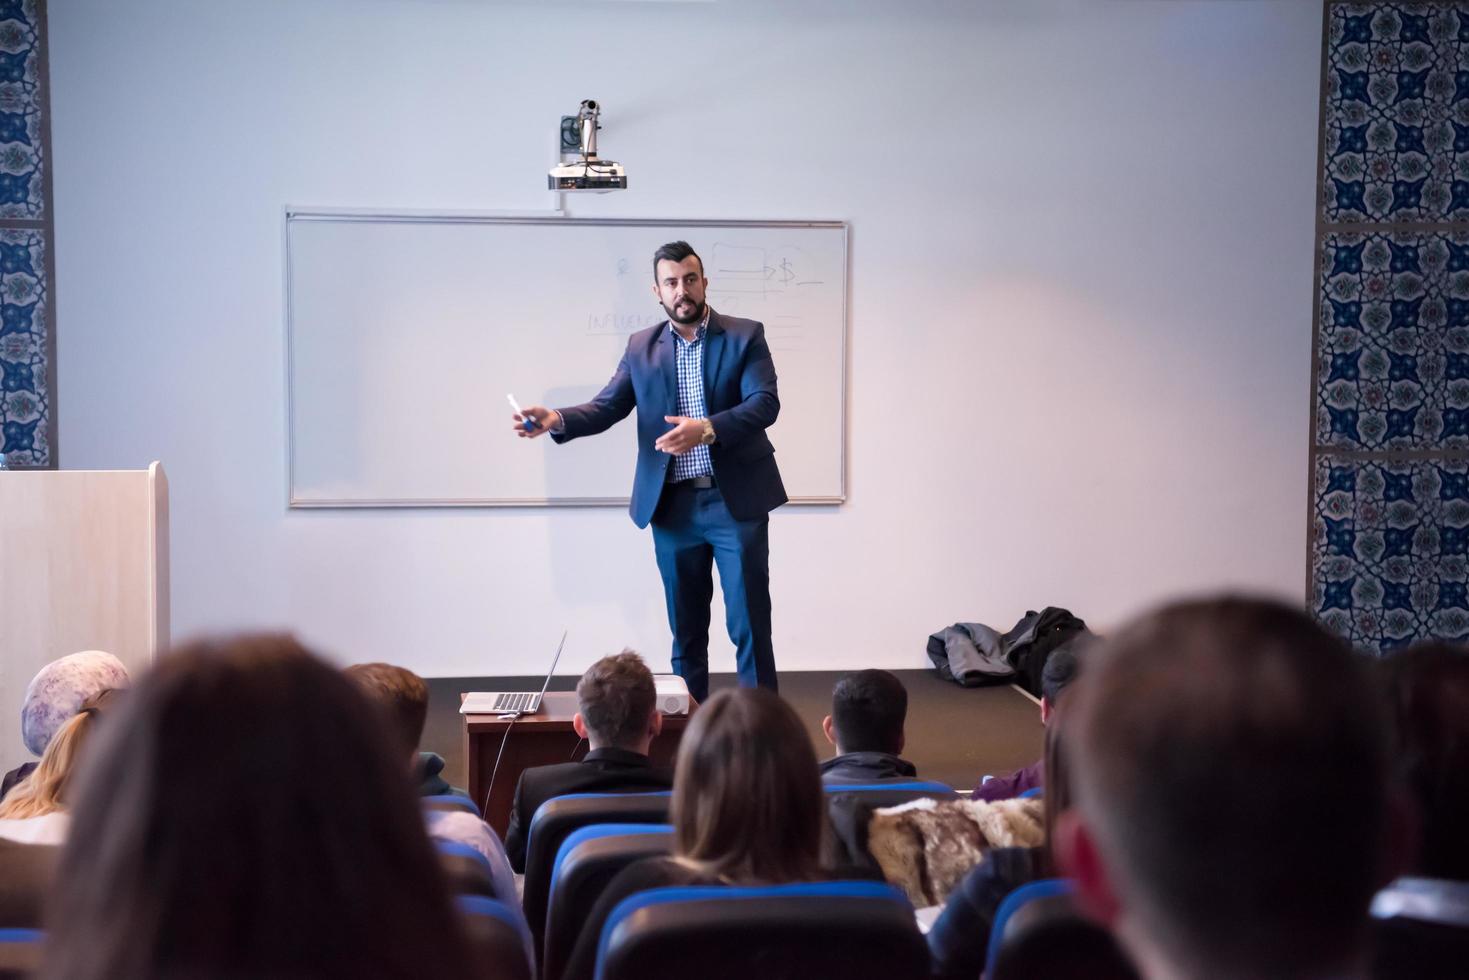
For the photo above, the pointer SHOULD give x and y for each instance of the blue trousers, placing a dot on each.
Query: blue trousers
(692, 531)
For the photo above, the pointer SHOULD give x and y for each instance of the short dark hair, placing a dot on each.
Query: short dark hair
(675, 252)
(868, 709)
(616, 697)
(1231, 766)
(1428, 703)
(246, 814)
(401, 693)
(1061, 668)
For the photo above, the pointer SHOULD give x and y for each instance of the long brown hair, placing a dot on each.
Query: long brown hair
(246, 814)
(747, 801)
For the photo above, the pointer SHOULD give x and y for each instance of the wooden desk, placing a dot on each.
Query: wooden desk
(540, 739)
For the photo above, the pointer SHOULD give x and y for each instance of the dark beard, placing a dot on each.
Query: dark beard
(693, 317)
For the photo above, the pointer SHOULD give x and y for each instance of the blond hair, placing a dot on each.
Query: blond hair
(44, 790)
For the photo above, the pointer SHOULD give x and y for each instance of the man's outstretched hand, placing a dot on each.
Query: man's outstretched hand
(543, 417)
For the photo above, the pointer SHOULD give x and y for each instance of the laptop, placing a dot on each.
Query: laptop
(510, 702)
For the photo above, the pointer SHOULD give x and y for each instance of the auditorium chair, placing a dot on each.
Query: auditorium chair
(849, 809)
(467, 870)
(588, 859)
(449, 801)
(20, 952)
(498, 943)
(891, 792)
(558, 817)
(838, 929)
(1038, 932)
(1420, 929)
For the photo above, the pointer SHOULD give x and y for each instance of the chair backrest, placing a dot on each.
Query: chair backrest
(27, 871)
(449, 801)
(914, 787)
(20, 952)
(840, 929)
(589, 858)
(849, 809)
(1032, 793)
(1039, 932)
(1042, 890)
(469, 872)
(558, 817)
(498, 941)
(1420, 929)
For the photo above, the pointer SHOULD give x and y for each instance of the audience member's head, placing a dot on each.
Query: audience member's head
(747, 800)
(1231, 781)
(618, 705)
(1428, 695)
(48, 788)
(868, 709)
(401, 693)
(1061, 668)
(57, 691)
(245, 814)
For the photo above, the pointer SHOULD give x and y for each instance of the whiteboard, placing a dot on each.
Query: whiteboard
(405, 332)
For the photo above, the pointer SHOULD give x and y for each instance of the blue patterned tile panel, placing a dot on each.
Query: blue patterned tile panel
(25, 398)
(1392, 359)
(1390, 550)
(1396, 116)
(22, 161)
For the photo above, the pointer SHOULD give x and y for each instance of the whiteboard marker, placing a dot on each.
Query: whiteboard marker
(529, 423)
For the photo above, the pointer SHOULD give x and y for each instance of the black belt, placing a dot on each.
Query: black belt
(696, 483)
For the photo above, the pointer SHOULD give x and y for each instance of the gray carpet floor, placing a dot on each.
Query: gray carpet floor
(954, 734)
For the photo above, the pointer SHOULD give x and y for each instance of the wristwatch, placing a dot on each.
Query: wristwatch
(707, 436)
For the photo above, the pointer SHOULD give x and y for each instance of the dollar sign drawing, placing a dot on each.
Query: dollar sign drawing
(786, 272)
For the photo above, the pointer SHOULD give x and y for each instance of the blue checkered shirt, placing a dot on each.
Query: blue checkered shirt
(689, 355)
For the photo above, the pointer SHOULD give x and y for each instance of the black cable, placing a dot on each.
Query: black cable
(496, 771)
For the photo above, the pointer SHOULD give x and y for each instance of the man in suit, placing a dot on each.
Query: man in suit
(704, 387)
(618, 716)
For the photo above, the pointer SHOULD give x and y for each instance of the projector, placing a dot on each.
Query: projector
(672, 694)
(588, 172)
(599, 176)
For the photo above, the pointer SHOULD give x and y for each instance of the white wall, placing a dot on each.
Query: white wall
(1082, 240)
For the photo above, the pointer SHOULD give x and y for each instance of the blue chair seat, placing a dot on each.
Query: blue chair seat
(560, 816)
(590, 858)
(719, 932)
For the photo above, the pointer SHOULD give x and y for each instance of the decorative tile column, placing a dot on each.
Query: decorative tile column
(1389, 532)
(27, 265)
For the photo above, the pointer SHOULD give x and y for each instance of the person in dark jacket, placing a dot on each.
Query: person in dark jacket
(868, 710)
(1061, 669)
(619, 718)
(958, 942)
(404, 696)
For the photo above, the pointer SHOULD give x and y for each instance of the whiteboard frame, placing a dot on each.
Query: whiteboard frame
(292, 214)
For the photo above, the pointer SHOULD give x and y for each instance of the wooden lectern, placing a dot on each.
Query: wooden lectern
(83, 566)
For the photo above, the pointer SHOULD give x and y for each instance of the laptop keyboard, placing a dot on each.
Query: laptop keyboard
(518, 701)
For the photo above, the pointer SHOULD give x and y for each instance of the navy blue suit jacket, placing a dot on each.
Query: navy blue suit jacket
(739, 394)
